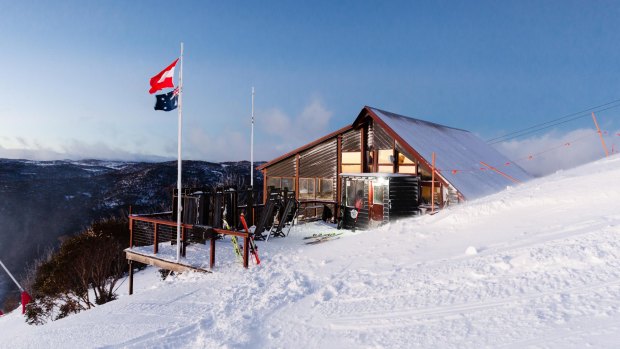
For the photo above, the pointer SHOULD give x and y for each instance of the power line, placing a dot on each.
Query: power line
(554, 122)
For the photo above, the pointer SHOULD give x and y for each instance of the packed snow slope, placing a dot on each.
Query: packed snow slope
(537, 265)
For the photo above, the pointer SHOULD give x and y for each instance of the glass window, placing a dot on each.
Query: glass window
(407, 169)
(386, 156)
(426, 174)
(351, 168)
(288, 183)
(325, 189)
(273, 182)
(306, 188)
(403, 160)
(355, 191)
(377, 193)
(386, 168)
(351, 157)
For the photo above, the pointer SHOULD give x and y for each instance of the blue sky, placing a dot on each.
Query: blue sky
(75, 74)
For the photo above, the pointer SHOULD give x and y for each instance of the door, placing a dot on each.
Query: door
(375, 200)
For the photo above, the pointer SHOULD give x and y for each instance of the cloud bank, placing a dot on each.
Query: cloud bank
(554, 151)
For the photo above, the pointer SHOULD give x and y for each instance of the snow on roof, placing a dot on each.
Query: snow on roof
(458, 154)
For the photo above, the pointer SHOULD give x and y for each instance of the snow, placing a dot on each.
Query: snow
(545, 273)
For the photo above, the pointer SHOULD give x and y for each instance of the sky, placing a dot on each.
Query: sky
(75, 74)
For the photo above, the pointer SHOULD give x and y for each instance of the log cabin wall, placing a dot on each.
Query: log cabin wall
(381, 139)
(351, 140)
(321, 161)
(284, 168)
(403, 199)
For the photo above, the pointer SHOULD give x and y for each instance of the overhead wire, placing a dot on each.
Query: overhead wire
(554, 122)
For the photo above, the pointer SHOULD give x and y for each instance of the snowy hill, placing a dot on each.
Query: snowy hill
(536, 265)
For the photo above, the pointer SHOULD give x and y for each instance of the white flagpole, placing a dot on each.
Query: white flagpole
(252, 145)
(179, 164)
(11, 275)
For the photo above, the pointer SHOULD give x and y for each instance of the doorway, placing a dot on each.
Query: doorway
(376, 200)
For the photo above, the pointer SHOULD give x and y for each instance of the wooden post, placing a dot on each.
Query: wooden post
(433, 184)
(246, 248)
(212, 253)
(130, 229)
(297, 176)
(155, 244)
(264, 186)
(338, 172)
(598, 130)
(395, 157)
(130, 277)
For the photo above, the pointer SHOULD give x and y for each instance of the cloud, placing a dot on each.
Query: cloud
(289, 132)
(543, 155)
(276, 133)
(73, 150)
(226, 146)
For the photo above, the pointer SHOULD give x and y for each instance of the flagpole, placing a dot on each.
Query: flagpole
(11, 275)
(252, 145)
(179, 163)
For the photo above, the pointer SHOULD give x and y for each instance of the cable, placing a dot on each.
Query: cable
(538, 127)
(546, 127)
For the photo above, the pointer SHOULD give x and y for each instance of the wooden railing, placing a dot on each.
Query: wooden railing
(146, 230)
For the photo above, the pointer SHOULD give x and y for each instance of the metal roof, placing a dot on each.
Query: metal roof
(458, 154)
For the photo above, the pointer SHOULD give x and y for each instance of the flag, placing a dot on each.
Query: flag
(164, 78)
(25, 300)
(167, 101)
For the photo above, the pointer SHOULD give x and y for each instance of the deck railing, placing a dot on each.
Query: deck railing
(146, 230)
(153, 229)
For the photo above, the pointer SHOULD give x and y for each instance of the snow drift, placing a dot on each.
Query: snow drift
(535, 265)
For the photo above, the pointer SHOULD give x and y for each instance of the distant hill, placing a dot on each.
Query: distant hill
(41, 201)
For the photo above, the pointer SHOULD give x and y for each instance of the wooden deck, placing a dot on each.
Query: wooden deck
(156, 261)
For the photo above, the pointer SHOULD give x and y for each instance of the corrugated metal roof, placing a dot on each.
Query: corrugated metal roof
(455, 149)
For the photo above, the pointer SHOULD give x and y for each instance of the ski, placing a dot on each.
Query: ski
(253, 248)
(235, 244)
(323, 239)
(320, 235)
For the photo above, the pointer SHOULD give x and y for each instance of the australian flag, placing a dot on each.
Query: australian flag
(167, 101)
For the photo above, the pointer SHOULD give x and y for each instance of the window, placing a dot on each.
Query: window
(377, 193)
(288, 183)
(406, 165)
(325, 189)
(281, 183)
(386, 161)
(386, 169)
(426, 192)
(352, 162)
(273, 182)
(355, 190)
(386, 156)
(306, 188)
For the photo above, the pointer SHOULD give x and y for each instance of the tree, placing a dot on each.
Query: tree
(93, 260)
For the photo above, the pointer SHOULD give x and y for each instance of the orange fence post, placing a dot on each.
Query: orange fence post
(598, 130)
(433, 185)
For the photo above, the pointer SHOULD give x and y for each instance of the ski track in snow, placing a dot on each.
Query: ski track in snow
(545, 274)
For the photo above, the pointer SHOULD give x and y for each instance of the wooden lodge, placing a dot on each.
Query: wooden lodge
(400, 166)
